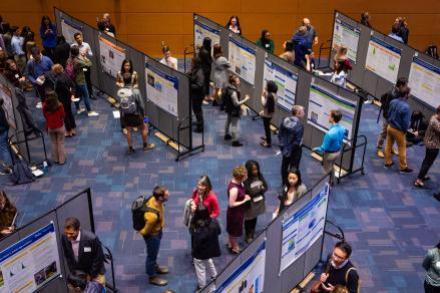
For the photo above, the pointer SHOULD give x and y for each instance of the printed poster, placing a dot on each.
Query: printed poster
(383, 59)
(68, 30)
(202, 31)
(162, 89)
(242, 59)
(111, 56)
(424, 81)
(30, 263)
(346, 35)
(6, 95)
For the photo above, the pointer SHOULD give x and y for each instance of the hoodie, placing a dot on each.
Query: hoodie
(290, 134)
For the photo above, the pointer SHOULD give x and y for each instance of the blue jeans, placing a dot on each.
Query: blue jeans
(5, 155)
(83, 93)
(153, 245)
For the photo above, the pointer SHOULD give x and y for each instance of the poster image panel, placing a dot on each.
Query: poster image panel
(30, 263)
(303, 228)
(110, 56)
(383, 59)
(249, 276)
(6, 95)
(242, 59)
(424, 81)
(321, 102)
(68, 30)
(202, 31)
(348, 36)
(162, 89)
(286, 82)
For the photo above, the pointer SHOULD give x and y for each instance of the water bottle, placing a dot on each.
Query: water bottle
(45, 167)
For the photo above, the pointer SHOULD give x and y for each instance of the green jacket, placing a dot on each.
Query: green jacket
(269, 47)
(79, 66)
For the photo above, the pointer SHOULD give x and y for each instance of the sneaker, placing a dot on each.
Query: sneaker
(149, 146)
(157, 281)
(80, 110)
(237, 144)
(92, 114)
(205, 102)
(406, 170)
(39, 105)
(75, 99)
(162, 270)
(265, 144)
(380, 153)
(395, 151)
(130, 150)
(227, 137)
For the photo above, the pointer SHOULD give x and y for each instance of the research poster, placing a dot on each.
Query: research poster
(30, 263)
(162, 89)
(202, 31)
(286, 82)
(111, 56)
(346, 35)
(383, 59)
(68, 30)
(248, 277)
(8, 107)
(243, 60)
(424, 81)
(321, 102)
(303, 228)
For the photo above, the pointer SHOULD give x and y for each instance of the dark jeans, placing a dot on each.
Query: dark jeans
(430, 156)
(266, 123)
(81, 91)
(291, 162)
(89, 81)
(431, 289)
(249, 227)
(153, 245)
(197, 102)
(5, 155)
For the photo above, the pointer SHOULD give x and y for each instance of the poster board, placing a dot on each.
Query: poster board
(8, 107)
(346, 35)
(242, 59)
(202, 31)
(424, 81)
(322, 101)
(69, 29)
(110, 56)
(286, 81)
(303, 228)
(249, 276)
(30, 263)
(162, 89)
(383, 59)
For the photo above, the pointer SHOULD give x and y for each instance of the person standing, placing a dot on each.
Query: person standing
(198, 91)
(204, 198)
(48, 33)
(399, 118)
(289, 54)
(340, 73)
(17, 42)
(234, 25)
(365, 19)
(206, 63)
(301, 46)
(266, 42)
(84, 49)
(431, 264)
(105, 25)
(237, 198)
(54, 114)
(220, 75)
(12, 73)
(268, 101)
(395, 33)
(167, 59)
(292, 191)
(36, 68)
(311, 32)
(333, 141)
(5, 155)
(62, 51)
(256, 186)
(152, 233)
(290, 138)
(432, 144)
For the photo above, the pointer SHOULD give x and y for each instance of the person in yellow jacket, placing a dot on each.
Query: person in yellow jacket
(152, 234)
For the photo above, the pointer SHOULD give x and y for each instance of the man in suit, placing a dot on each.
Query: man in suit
(83, 252)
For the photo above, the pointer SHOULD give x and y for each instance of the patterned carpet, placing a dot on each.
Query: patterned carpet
(389, 223)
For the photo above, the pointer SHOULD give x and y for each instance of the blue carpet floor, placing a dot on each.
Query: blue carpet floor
(389, 223)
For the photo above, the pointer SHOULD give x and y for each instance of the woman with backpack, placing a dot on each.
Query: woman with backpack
(53, 112)
(126, 77)
(268, 102)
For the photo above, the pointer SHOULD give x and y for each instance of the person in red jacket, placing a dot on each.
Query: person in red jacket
(53, 112)
(204, 198)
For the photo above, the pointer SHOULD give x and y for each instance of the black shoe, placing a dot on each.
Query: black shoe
(130, 150)
(198, 130)
(406, 170)
(93, 97)
(437, 196)
(389, 165)
(237, 144)
(227, 137)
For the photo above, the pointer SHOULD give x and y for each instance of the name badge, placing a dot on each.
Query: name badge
(85, 69)
(87, 249)
(17, 76)
(257, 199)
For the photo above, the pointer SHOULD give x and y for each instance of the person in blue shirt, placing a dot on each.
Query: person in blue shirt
(17, 47)
(399, 118)
(36, 68)
(331, 146)
(395, 33)
(301, 46)
(48, 34)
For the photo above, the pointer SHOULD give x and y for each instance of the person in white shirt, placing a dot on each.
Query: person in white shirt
(167, 59)
(339, 76)
(84, 49)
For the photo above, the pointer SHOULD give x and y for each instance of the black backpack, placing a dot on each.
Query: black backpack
(385, 101)
(228, 104)
(138, 209)
(21, 173)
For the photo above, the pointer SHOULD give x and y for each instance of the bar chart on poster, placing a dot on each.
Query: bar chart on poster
(242, 59)
(383, 59)
(111, 56)
(424, 81)
(346, 35)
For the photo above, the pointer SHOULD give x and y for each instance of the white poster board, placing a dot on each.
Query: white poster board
(383, 59)
(321, 102)
(68, 30)
(30, 263)
(286, 82)
(242, 59)
(348, 36)
(162, 89)
(303, 228)
(8, 107)
(110, 56)
(202, 31)
(249, 276)
(424, 81)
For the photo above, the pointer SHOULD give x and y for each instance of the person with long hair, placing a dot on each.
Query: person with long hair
(197, 91)
(292, 191)
(268, 101)
(54, 114)
(127, 76)
(48, 34)
(220, 76)
(12, 73)
(28, 44)
(431, 264)
(256, 186)
(62, 51)
(204, 198)
(266, 42)
(365, 19)
(340, 73)
(7, 214)
(234, 25)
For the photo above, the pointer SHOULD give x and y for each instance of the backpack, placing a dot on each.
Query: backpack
(138, 209)
(70, 70)
(229, 106)
(127, 102)
(385, 101)
(270, 104)
(21, 173)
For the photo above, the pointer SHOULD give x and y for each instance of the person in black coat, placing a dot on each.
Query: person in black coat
(205, 245)
(83, 252)
(206, 62)
(62, 51)
(197, 82)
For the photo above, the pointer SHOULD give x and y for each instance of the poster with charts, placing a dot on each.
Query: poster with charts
(346, 35)
(249, 276)
(162, 89)
(424, 81)
(383, 59)
(202, 31)
(30, 263)
(303, 228)
(69, 29)
(286, 82)
(321, 102)
(242, 59)
(8, 107)
(110, 56)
